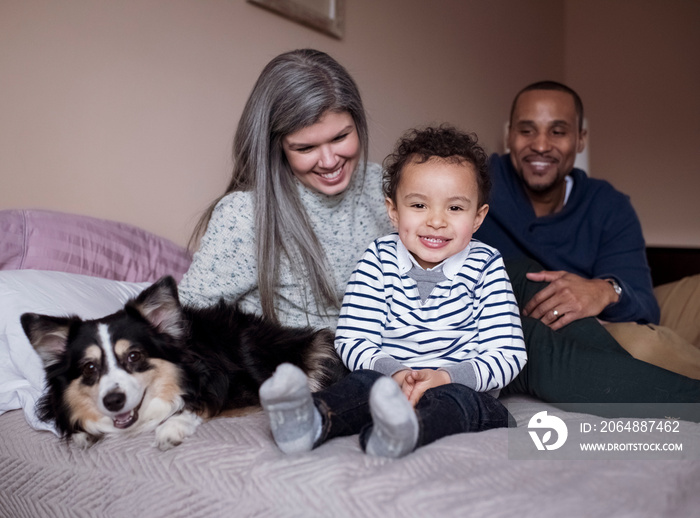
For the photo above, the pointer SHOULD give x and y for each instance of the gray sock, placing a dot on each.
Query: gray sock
(294, 420)
(395, 425)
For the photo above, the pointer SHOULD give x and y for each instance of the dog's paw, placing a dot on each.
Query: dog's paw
(83, 440)
(157, 411)
(176, 429)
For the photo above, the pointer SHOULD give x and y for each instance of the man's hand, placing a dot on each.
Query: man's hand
(568, 297)
(419, 381)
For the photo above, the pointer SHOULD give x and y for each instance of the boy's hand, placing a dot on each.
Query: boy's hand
(419, 381)
(400, 378)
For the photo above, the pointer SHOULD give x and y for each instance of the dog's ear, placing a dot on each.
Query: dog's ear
(48, 335)
(160, 305)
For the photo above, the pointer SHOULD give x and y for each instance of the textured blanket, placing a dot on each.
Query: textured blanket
(231, 467)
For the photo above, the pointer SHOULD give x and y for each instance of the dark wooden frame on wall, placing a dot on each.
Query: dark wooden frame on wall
(333, 25)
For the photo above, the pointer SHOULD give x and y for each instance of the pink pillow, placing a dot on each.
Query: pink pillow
(47, 240)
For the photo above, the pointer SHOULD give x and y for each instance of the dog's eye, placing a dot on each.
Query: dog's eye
(90, 372)
(134, 357)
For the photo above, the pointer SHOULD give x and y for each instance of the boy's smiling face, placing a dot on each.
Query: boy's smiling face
(436, 210)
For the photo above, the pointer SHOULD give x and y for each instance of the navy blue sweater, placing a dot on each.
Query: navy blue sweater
(596, 235)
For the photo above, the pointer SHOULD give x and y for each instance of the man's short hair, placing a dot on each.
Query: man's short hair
(552, 85)
(445, 142)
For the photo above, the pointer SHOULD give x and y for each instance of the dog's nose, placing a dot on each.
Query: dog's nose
(114, 401)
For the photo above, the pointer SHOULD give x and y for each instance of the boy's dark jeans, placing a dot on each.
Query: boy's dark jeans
(442, 411)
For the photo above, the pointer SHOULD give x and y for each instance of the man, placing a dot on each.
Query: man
(587, 237)
(584, 232)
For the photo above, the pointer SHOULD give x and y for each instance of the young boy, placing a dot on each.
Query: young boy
(428, 320)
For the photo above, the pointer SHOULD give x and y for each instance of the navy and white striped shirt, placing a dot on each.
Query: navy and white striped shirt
(468, 326)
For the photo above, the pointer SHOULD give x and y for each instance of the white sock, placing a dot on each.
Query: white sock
(395, 425)
(294, 420)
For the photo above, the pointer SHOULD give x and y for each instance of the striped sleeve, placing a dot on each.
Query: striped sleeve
(501, 348)
(363, 314)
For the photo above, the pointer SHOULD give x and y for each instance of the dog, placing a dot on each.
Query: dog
(158, 365)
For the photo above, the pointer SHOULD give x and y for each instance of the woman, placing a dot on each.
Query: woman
(302, 204)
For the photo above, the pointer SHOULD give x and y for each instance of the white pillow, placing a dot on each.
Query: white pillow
(50, 293)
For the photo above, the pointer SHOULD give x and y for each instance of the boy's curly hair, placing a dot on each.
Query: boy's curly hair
(446, 142)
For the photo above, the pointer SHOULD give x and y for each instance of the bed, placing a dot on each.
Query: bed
(62, 263)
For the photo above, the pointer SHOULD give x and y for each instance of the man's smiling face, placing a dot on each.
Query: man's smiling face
(544, 138)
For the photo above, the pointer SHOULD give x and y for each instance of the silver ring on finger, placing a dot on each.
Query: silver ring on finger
(555, 313)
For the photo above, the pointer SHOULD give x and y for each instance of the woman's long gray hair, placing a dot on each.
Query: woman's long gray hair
(293, 92)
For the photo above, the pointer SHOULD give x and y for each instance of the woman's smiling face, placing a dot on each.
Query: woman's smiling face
(324, 156)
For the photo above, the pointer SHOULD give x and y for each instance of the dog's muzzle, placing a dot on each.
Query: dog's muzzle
(114, 401)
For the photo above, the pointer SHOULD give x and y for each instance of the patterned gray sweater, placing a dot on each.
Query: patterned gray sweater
(226, 266)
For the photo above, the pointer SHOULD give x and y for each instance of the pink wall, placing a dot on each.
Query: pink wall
(126, 110)
(636, 63)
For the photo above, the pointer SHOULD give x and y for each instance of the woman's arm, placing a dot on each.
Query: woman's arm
(225, 264)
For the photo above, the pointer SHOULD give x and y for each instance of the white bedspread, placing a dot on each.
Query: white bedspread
(231, 468)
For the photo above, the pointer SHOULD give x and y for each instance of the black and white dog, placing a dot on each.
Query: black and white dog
(156, 365)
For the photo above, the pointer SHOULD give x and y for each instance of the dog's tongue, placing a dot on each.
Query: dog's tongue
(126, 419)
